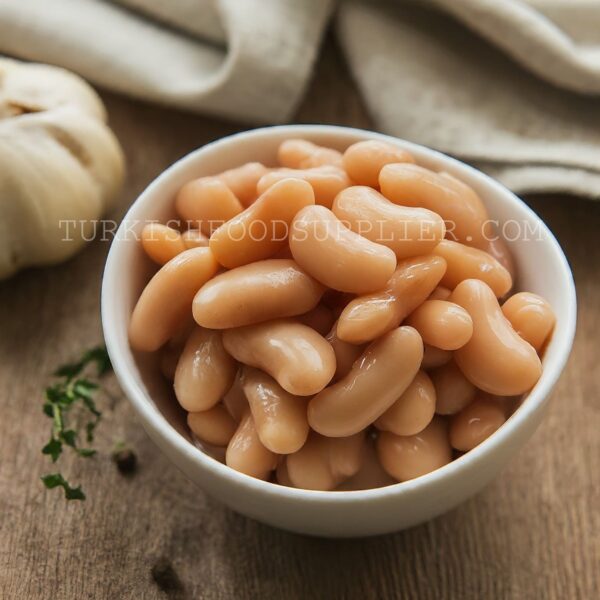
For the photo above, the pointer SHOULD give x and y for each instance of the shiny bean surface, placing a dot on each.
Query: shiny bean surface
(161, 243)
(496, 359)
(246, 453)
(375, 381)
(279, 417)
(336, 256)
(531, 317)
(442, 324)
(498, 248)
(194, 238)
(207, 203)
(370, 316)
(453, 390)
(336, 319)
(302, 154)
(363, 161)
(257, 292)
(408, 457)
(296, 356)
(480, 235)
(466, 218)
(214, 426)
(464, 262)
(413, 410)
(324, 462)
(261, 229)
(242, 181)
(407, 231)
(205, 371)
(165, 303)
(476, 423)
(326, 181)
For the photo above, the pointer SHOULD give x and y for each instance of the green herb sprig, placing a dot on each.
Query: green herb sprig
(73, 389)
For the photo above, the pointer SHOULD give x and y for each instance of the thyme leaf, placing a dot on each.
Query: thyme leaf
(74, 389)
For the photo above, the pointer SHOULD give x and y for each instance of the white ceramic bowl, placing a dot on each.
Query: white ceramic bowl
(542, 268)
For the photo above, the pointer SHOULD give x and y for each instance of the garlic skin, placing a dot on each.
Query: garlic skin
(59, 162)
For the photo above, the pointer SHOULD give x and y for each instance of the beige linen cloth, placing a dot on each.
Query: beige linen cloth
(511, 86)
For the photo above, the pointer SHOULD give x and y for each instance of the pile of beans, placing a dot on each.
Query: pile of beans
(335, 323)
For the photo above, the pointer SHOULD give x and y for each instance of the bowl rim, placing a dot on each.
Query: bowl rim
(152, 419)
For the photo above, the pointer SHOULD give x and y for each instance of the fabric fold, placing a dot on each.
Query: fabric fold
(259, 76)
(511, 87)
(552, 38)
(199, 18)
(427, 78)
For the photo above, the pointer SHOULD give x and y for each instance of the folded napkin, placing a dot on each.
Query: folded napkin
(428, 78)
(508, 86)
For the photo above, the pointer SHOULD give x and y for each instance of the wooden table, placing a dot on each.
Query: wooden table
(534, 533)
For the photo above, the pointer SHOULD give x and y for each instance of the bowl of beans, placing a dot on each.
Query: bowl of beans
(334, 331)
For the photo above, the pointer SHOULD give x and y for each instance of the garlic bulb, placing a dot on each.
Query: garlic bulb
(60, 165)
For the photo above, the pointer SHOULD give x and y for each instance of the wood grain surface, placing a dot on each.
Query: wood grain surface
(533, 533)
